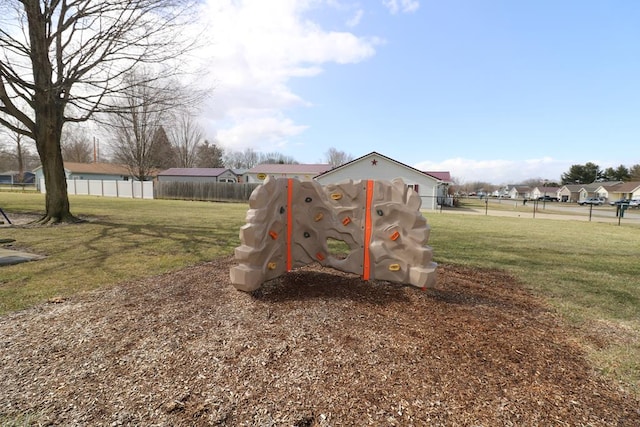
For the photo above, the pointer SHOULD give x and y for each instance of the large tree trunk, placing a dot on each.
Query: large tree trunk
(48, 130)
(57, 199)
(49, 108)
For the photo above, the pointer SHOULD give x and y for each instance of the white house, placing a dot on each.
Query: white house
(545, 191)
(432, 187)
(89, 171)
(520, 192)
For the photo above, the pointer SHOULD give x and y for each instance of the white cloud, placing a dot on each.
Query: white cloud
(260, 132)
(355, 20)
(405, 6)
(255, 48)
(499, 171)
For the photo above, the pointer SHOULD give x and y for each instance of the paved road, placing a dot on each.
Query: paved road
(552, 210)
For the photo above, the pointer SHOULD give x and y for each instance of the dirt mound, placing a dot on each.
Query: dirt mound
(313, 347)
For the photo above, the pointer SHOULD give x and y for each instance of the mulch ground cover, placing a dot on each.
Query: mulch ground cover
(314, 347)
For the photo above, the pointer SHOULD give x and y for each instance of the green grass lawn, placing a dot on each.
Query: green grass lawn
(588, 271)
(122, 239)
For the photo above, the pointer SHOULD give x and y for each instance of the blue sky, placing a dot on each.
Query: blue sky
(497, 91)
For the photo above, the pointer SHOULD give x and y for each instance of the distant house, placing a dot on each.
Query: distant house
(432, 187)
(570, 193)
(597, 189)
(545, 191)
(621, 190)
(90, 171)
(520, 192)
(197, 175)
(579, 192)
(501, 192)
(6, 178)
(302, 172)
(13, 177)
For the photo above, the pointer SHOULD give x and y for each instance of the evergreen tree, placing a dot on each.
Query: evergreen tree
(621, 173)
(163, 155)
(209, 155)
(582, 174)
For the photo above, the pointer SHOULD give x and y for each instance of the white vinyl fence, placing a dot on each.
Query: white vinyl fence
(106, 188)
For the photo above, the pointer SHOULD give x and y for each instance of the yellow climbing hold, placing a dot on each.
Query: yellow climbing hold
(394, 267)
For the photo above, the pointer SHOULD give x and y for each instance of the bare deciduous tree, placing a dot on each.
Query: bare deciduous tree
(275, 158)
(140, 140)
(185, 136)
(249, 158)
(63, 58)
(241, 159)
(336, 157)
(19, 152)
(76, 146)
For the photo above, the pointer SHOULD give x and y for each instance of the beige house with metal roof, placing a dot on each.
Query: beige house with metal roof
(622, 190)
(579, 192)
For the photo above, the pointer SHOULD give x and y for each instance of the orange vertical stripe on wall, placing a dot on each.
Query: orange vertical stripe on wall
(289, 221)
(366, 268)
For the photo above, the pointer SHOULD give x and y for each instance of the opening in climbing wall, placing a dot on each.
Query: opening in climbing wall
(337, 248)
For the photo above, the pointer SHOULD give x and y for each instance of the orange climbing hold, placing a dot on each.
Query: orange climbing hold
(273, 235)
(395, 236)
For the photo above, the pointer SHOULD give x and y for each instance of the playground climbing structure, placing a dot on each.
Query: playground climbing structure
(290, 222)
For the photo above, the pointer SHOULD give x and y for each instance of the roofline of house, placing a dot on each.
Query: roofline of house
(383, 156)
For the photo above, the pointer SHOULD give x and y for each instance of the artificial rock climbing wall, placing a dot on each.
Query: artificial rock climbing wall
(290, 222)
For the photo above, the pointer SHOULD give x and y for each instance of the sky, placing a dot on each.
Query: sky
(498, 91)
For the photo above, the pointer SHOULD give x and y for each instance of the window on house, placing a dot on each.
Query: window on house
(414, 187)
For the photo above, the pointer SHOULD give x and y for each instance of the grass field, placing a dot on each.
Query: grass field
(588, 271)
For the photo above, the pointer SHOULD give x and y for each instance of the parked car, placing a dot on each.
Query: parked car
(619, 202)
(547, 199)
(634, 203)
(592, 201)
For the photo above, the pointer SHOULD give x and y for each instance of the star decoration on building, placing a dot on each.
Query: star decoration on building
(374, 162)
